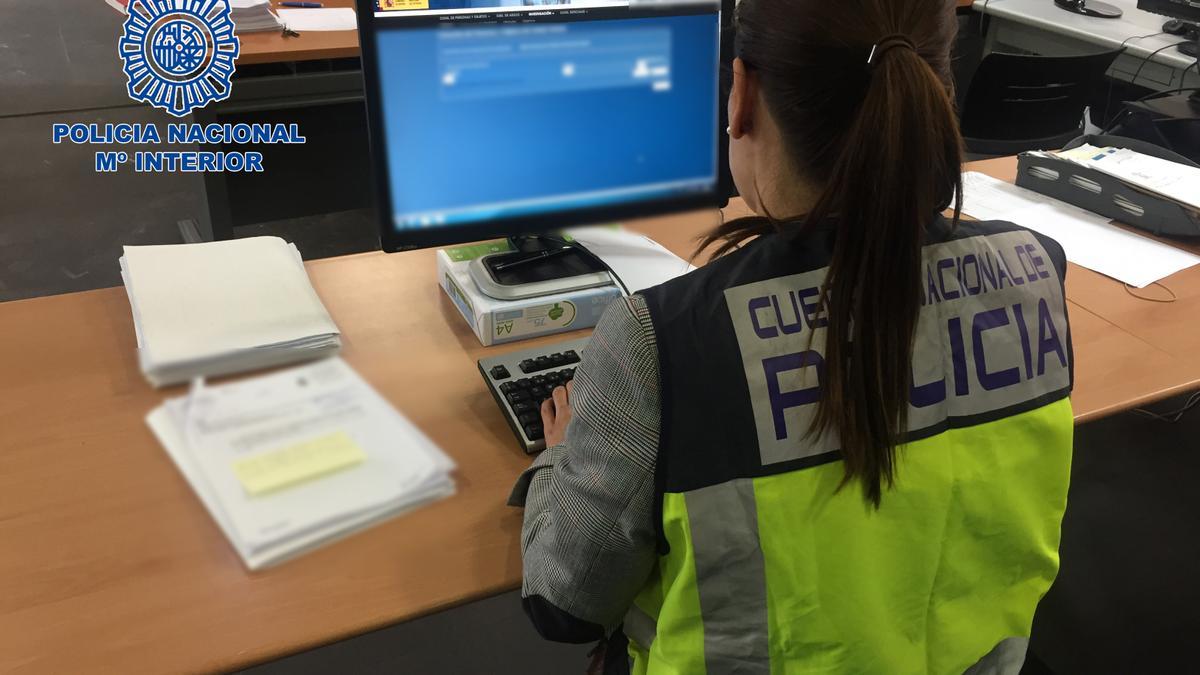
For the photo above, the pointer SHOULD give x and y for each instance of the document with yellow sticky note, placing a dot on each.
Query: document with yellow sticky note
(297, 463)
(295, 459)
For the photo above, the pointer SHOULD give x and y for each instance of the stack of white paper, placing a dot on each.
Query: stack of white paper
(253, 16)
(637, 260)
(332, 18)
(296, 459)
(1170, 180)
(223, 307)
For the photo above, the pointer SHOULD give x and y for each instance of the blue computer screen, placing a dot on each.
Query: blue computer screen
(494, 120)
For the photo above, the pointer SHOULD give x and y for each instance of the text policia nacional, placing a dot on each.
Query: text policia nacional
(186, 161)
(969, 296)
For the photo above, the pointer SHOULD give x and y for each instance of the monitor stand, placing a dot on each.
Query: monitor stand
(539, 265)
(1094, 8)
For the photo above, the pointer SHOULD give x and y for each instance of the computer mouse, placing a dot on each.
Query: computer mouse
(1175, 27)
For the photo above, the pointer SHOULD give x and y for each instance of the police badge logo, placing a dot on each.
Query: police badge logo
(179, 55)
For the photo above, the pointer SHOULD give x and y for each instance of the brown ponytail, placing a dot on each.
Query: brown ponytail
(882, 140)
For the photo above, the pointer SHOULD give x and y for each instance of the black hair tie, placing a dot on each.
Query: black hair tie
(886, 44)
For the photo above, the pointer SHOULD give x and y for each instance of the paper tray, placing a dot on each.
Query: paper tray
(1064, 181)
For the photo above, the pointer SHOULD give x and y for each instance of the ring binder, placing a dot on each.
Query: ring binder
(1100, 193)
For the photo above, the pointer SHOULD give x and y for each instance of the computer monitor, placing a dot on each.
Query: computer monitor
(494, 118)
(1184, 10)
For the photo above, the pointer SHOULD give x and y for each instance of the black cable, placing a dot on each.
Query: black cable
(1114, 123)
(1108, 99)
(1140, 37)
(1153, 54)
(1172, 417)
(583, 250)
(983, 19)
(1156, 94)
(69, 111)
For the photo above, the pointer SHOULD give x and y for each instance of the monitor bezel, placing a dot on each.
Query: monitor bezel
(1170, 10)
(394, 240)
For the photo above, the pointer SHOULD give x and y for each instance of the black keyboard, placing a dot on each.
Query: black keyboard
(521, 380)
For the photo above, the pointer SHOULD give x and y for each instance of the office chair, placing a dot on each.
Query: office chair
(1180, 135)
(1018, 102)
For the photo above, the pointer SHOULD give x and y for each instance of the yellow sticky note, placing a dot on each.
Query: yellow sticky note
(278, 469)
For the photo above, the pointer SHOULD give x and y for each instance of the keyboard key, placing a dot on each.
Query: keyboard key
(507, 387)
(539, 380)
(529, 418)
(534, 432)
(517, 396)
(571, 356)
(524, 383)
(539, 393)
(543, 363)
(524, 407)
(528, 366)
(568, 373)
(558, 359)
(500, 373)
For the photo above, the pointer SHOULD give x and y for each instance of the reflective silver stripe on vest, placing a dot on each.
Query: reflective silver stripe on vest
(639, 628)
(1006, 659)
(730, 577)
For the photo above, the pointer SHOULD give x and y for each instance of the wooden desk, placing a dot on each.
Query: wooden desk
(1129, 351)
(108, 562)
(271, 47)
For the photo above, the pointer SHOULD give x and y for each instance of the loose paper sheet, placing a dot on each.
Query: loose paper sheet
(1089, 240)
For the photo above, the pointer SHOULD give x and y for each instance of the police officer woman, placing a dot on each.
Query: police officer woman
(842, 446)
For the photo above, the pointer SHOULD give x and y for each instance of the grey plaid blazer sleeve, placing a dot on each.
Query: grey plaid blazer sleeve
(589, 539)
